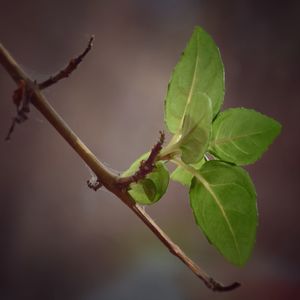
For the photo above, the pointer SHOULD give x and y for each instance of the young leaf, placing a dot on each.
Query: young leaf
(196, 129)
(223, 200)
(184, 177)
(200, 70)
(153, 187)
(241, 135)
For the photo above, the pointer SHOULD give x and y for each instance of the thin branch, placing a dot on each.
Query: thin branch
(146, 166)
(105, 176)
(66, 72)
(176, 250)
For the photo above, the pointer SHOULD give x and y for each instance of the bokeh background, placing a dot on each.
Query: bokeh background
(61, 240)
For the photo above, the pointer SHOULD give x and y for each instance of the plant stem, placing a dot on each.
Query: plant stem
(105, 176)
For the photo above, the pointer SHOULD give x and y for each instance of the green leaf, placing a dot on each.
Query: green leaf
(242, 135)
(196, 129)
(153, 187)
(223, 200)
(200, 70)
(149, 188)
(184, 177)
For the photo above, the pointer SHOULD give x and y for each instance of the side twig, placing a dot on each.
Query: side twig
(146, 166)
(20, 99)
(73, 64)
(104, 175)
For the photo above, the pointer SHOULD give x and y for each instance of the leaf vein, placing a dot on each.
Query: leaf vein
(214, 196)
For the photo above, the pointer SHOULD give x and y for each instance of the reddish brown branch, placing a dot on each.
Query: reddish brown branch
(73, 64)
(146, 166)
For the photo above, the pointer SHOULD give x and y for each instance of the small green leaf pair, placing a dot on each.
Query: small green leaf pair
(222, 195)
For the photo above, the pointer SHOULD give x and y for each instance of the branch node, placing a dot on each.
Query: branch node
(94, 183)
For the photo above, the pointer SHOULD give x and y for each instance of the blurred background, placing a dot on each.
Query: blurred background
(61, 240)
